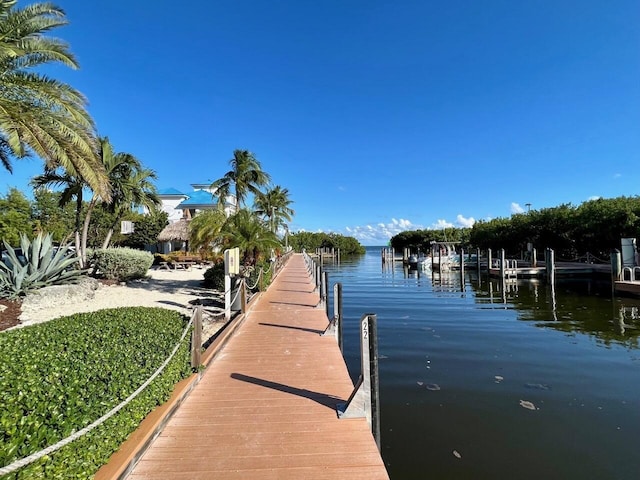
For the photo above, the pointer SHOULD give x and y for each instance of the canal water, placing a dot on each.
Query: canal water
(487, 380)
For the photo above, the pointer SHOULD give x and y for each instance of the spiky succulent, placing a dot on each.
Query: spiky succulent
(40, 265)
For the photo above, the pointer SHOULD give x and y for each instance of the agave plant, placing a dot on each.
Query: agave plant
(40, 265)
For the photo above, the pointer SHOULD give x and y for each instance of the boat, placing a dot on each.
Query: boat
(443, 256)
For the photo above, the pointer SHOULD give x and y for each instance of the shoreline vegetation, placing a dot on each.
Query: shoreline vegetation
(593, 227)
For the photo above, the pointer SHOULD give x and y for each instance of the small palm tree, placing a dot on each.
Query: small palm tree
(273, 205)
(204, 229)
(40, 115)
(245, 177)
(247, 232)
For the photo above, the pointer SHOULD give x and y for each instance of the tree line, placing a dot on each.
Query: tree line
(593, 227)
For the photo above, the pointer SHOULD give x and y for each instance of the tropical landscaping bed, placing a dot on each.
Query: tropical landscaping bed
(59, 377)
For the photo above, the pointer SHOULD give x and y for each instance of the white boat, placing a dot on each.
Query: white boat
(443, 256)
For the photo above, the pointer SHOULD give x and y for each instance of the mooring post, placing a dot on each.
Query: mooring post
(616, 266)
(365, 398)
(318, 276)
(337, 311)
(534, 258)
(335, 324)
(478, 260)
(489, 260)
(462, 285)
(551, 266)
(325, 291)
(502, 262)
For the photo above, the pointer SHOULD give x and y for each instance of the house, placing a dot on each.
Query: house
(184, 206)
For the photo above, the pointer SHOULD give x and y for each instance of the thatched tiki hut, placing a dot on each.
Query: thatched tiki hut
(175, 236)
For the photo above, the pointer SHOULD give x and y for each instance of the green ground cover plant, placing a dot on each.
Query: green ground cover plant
(58, 377)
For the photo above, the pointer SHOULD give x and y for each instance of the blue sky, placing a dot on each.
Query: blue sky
(377, 116)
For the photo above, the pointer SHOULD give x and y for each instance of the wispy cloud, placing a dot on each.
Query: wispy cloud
(617, 175)
(516, 208)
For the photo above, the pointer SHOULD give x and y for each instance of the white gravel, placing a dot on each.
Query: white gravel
(174, 289)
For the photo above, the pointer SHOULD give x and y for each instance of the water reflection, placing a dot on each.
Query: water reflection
(572, 306)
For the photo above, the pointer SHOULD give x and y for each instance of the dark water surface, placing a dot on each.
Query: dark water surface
(518, 381)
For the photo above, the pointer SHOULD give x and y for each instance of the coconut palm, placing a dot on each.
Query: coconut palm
(132, 187)
(247, 232)
(40, 115)
(273, 205)
(245, 177)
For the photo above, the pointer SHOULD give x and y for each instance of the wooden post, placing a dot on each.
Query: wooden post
(243, 296)
(478, 260)
(462, 268)
(534, 258)
(489, 260)
(196, 338)
(616, 265)
(551, 266)
(325, 292)
(365, 398)
(502, 262)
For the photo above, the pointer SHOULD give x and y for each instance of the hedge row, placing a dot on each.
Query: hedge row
(60, 376)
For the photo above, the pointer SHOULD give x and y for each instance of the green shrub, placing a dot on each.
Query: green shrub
(60, 376)
(122, 263)
(214, 277)
(39, 265)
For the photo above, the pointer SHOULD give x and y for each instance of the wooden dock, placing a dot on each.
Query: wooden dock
(266, 406)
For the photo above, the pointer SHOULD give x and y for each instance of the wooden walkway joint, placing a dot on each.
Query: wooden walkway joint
(265, 408)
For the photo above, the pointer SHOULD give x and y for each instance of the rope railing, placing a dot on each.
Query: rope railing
(23, 462)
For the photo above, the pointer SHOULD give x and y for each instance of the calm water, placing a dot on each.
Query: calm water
(459, 360)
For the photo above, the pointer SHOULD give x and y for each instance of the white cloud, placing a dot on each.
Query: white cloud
(441, 224)
(465, 222)
(516, 208)
(594, 197)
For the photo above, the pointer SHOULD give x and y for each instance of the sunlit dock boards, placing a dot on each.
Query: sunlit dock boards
(265, 407)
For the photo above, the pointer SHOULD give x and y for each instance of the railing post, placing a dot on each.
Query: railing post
(243, 296)
(365, 398)
(196, 338)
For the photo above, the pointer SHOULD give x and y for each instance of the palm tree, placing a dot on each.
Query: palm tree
(245, 177)
(130, 184)
(273, 205)
(132, 187)
(247, 232)
(40, 115)
(204, 229)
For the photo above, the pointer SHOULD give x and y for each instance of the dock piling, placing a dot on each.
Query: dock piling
(365, 398)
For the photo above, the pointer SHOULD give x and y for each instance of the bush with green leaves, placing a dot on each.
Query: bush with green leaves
(214, 277)
(122, 263)
(40, 264)
(58, 377)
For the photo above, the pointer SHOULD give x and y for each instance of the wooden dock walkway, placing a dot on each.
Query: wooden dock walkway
(265, 407)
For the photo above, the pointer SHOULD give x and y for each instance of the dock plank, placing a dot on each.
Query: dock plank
(265, 408)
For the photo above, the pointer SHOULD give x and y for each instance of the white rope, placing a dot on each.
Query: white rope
(258, 280)
(23, 462)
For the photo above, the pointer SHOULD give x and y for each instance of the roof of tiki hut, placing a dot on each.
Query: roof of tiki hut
(175, 231)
